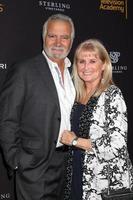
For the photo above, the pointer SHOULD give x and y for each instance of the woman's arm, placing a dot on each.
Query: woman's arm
(112, 141)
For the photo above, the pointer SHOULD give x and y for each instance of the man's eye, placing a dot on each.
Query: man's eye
(51, 36)
(65, 37)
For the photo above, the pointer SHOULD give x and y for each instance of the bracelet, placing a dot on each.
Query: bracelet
(74, 141)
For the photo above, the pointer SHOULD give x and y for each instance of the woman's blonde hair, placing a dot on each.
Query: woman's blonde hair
(92, 45)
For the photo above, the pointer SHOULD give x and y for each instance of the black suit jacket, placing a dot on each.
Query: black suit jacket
(29, 125)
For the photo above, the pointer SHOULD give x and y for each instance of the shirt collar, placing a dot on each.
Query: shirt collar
(67, 61)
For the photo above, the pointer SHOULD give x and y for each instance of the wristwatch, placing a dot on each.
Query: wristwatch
(74, 141)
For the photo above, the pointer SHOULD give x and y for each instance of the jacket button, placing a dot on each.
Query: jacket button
(59, 119)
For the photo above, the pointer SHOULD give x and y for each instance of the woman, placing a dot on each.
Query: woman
(98, 138)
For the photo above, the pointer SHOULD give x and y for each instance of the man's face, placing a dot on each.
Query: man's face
(57, 42)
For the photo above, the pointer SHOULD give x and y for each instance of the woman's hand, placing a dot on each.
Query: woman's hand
(82, 143)
(67, 137)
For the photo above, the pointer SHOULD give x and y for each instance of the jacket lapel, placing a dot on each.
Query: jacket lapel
(43, 68)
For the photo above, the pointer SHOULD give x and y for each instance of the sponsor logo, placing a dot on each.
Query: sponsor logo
(115, 56)
(114, 5)
(54, 6)
(5, 196)
(3, 66)
(2, 8)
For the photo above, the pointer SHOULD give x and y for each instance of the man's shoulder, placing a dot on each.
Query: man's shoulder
(29, 63)
(32, 60)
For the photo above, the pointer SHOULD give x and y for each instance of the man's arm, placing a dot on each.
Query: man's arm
(11, 103)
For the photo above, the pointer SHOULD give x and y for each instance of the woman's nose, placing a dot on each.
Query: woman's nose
(86, 65)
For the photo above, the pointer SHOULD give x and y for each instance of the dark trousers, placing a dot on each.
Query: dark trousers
(46, 182)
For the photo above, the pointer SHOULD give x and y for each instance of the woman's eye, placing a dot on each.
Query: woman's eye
(92, 61)
(81, 61)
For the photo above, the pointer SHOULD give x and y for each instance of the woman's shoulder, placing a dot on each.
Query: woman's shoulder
(114, 94)
(113, 90)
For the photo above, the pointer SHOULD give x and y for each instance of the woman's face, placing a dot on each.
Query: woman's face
(89, 67)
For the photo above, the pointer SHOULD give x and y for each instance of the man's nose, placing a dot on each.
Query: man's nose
(58, 41)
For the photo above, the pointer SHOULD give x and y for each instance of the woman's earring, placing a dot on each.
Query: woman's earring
(102, 80)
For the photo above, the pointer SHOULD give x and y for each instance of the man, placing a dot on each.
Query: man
(35, 105)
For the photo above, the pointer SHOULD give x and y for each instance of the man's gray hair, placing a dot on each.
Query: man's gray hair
(62, 18)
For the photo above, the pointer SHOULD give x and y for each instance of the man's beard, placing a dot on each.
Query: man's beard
(53, 55)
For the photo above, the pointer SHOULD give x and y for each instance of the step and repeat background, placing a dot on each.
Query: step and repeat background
(20, 38)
